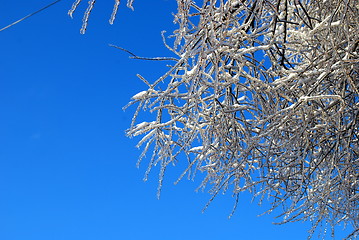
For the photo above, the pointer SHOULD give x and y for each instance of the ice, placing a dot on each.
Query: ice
(194, 149)
(140, 95)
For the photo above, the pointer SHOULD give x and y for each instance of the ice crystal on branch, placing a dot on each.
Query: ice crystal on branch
(90, 6)
(263, 97)
(270, 91)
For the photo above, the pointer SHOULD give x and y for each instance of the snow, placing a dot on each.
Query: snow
(251, 50)
(337, 23)
(241, 99)
(238, 107)
(140, 95)
(291, 76)
(235, 4)
(145, 138)
(199, 148)
(192, 71)
(142, 124)
(143, 94)
(321, 76)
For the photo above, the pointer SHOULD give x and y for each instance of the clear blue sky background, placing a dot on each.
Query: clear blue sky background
(67, 170)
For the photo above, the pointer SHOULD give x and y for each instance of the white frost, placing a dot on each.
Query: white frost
(241, 99)
(192, 71)
(199, 148)
(140, 95)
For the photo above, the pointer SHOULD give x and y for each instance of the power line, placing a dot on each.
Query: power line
(31, 14)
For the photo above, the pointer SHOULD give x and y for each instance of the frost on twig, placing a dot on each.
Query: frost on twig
(263, 98)
(134, 56)
(90, 6)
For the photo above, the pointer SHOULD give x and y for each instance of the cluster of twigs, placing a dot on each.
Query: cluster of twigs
(91, 4)
(263, 97)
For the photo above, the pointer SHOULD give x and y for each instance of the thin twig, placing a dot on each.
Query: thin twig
(144, 58)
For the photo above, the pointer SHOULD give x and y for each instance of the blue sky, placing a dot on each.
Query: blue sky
(67, 170)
